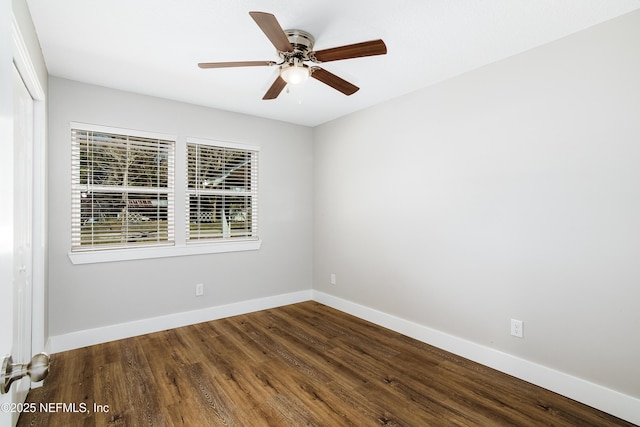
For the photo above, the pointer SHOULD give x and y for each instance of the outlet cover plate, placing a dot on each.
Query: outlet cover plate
(516, 328)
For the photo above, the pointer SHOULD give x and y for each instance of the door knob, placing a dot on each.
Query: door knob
(37, 370)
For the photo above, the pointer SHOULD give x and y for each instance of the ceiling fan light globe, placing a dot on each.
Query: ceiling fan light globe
(294, 75)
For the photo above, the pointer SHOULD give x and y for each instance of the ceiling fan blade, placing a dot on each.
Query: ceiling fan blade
(235, 64)
(357, 50)
(334, 81)
(272, 29)
(275, 89)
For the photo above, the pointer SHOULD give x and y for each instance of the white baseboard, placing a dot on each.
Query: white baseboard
(597, 396)
(602, 398)
(79, 339)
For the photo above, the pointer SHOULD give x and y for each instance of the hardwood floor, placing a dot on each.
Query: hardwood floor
(303, 364)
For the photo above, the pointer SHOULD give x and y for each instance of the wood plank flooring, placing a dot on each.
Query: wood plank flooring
(300, 365)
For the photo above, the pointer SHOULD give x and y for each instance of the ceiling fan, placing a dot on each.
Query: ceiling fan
(295, 49)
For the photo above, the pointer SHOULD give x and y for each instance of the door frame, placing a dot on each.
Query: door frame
(26, 68)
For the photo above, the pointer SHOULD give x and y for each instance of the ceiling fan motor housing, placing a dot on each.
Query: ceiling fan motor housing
(302, 43)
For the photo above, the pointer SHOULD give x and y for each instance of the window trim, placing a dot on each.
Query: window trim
(113, 255)
(181, 247)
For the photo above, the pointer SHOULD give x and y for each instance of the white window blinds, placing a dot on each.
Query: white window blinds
(221, 191)
(122, 190)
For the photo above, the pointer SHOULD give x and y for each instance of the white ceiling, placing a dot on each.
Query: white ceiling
(152, 46)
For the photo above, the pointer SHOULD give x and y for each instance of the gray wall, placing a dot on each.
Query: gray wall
(89, 296)
(509, 192)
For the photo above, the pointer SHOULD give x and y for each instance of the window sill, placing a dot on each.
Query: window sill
(162, 251)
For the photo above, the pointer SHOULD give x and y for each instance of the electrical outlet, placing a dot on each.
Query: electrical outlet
(333, 279)
(516, 328)
(199, 289)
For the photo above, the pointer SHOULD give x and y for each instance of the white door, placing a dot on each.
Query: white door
(6, 262)
(23, 220)
(16, 258)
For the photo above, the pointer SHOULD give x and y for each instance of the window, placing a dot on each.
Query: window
(123, 185)
(122, 189)
(221, 192)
